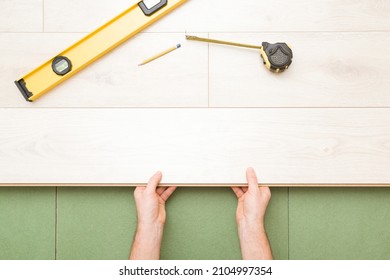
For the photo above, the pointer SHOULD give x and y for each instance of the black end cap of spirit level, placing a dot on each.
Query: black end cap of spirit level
(21, 84)
(151, 11)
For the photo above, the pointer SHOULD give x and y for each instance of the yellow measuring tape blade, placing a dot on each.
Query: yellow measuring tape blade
(94, 46)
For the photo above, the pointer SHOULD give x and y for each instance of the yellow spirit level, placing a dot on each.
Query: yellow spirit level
(93, 46)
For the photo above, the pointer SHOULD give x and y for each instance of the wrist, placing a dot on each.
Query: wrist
(149, 232)
(251, 227)
(253, 241)
(147, 242)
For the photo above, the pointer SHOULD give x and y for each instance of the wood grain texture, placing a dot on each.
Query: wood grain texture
(339, 63)
(81, 16)
(230, 15)
(21, 15)
(179, 79)
(328, 70)
(195, 146)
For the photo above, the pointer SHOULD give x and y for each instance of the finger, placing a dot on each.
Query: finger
(154, 181)
(244, 189)
(251, 178)
(139, 188)
(160, 191)
(138, 191)
(238, 191)
(167, 193)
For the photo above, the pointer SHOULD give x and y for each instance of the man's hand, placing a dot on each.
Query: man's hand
(150, 203)
(252, 205)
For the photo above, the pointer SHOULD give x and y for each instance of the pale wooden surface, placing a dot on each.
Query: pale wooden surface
(21, 16)
(231, 16)
(329, 70)
(324, 121)
(116, 80)
(199, 146)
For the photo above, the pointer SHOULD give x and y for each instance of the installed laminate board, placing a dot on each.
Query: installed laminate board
(81, 16)
(21, 15)
(179, 79)
(194, 146)
(230, 15)
(335, 224)
(328, 70)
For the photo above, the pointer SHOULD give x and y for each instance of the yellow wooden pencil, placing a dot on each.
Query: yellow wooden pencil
(160, 55)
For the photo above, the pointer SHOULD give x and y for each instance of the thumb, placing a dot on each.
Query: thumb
(154, 182)
(251, 178)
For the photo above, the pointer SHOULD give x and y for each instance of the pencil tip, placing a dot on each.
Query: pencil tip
(178, 46)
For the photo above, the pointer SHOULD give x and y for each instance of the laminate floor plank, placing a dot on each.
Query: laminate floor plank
(179, 79)
(194, 146)
(21, 16)
(328, 70)
(229, 16)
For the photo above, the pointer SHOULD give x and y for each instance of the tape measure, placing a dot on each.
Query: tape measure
(277, 57)
(93, 46)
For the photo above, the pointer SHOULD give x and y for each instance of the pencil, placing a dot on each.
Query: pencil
(160, 55)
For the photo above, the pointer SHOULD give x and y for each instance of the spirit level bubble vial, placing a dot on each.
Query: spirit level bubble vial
(93, 46)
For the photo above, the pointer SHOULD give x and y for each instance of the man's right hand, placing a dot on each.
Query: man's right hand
(251, 208)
